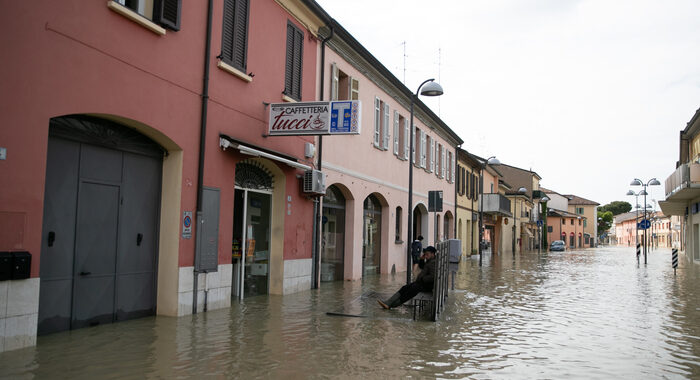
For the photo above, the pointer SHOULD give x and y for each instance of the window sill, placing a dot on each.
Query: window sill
(287, 99)
(398, 241)
(234, 71)
(135, 17)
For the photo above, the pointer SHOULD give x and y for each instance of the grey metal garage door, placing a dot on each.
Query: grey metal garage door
(100, 233)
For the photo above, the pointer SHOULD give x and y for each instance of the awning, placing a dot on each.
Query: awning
(228, 142)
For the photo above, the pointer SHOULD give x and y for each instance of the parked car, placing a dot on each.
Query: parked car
(558, 245)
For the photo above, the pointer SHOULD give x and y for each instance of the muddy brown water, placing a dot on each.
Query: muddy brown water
(584, 314)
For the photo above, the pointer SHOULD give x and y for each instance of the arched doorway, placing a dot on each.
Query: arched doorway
(447, 230)
(372, 236)
(420, 223)
(333, 235)
(100, 227)
(251, 229)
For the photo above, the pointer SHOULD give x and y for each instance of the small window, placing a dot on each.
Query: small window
(398, 224)
(234, 41)
(549, 228)
(293, 62)
(406, 138)
(423, 159)
(163, 12)
(396, 133)
(343, 87)
(432, 155)
(572, 222)
(381, 124)
(563, 221)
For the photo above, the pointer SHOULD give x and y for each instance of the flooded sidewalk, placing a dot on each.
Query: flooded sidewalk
(582, 314)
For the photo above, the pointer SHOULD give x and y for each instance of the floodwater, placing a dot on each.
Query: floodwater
(584, 314)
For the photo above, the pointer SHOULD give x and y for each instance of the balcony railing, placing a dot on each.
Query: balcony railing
(497, 203)
(686, 176)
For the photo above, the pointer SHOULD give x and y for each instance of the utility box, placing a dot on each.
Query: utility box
(5, 266)
(455, 250)
(21, 265)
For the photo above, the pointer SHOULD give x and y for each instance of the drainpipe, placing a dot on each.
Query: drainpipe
(202, 143)
(455, 168)
(316, 251)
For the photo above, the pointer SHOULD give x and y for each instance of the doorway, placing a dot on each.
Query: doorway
(100, 228)
(372, 236)
(251, 231)
(333, 235)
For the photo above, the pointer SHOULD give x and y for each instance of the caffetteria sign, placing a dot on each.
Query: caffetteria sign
(315, 118)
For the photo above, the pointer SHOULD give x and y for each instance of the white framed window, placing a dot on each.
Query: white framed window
(385, 127)
(396, 133)
(413, 152)
(432, 155)
(406, 138)
(443, 161)
(377, 121)
(354, 89)
(423, 160)
(343, 86)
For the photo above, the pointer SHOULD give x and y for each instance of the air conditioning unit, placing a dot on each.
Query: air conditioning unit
(314, 182)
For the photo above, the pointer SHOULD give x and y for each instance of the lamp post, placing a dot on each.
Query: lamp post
(431, 88)
(636, 215)
(639, 182)
(521, 191)
(489, 161)
(544, 201)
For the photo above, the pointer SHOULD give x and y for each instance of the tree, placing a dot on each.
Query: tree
(616, 207)
(605, 220)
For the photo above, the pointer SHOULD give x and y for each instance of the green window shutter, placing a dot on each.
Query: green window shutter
(167, 13)
(293, 62)
(234, 39)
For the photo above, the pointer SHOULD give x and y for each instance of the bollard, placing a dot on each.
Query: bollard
(674, 260)
(638, 252)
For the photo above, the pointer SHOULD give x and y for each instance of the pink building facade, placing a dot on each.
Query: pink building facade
(365, 225)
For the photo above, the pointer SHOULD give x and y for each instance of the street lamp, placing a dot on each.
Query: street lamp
(431, 88)
(489, 161)
(636, 216)
(521, 191)
(651, 182)
(543, 241)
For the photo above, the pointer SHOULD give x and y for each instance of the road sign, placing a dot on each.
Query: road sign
(539, 223)
(644, 224)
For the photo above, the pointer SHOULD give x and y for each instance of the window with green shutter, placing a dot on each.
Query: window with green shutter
(234, 40)
(293, 62)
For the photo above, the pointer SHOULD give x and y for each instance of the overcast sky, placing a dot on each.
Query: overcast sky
(587, 93)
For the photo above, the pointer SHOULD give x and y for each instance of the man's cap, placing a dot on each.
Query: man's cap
(430, 248)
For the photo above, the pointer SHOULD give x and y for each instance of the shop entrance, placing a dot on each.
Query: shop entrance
(372, 236)
(251, 231)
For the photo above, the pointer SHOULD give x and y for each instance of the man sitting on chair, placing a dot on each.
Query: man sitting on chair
(423, 283)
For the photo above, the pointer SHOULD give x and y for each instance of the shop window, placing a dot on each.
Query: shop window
(293, 62)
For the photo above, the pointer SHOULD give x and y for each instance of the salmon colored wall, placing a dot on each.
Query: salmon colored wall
(80, 57)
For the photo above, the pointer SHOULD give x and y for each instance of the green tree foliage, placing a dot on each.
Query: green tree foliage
(616, 207)
(605, 220)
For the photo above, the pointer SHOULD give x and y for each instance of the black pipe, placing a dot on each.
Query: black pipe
(315, 252)
(202, 144)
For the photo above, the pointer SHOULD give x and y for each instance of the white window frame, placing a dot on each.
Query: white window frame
(354, 89)
(432, 155)
(396, 133)
(443, 165)
(406, 138)
(335, 79)
(385, 127)
(423, 160)
(377, 121)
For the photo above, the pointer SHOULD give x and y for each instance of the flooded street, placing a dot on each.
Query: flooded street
(582, 314)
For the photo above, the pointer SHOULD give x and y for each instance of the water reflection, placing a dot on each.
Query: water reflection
(582, 314)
